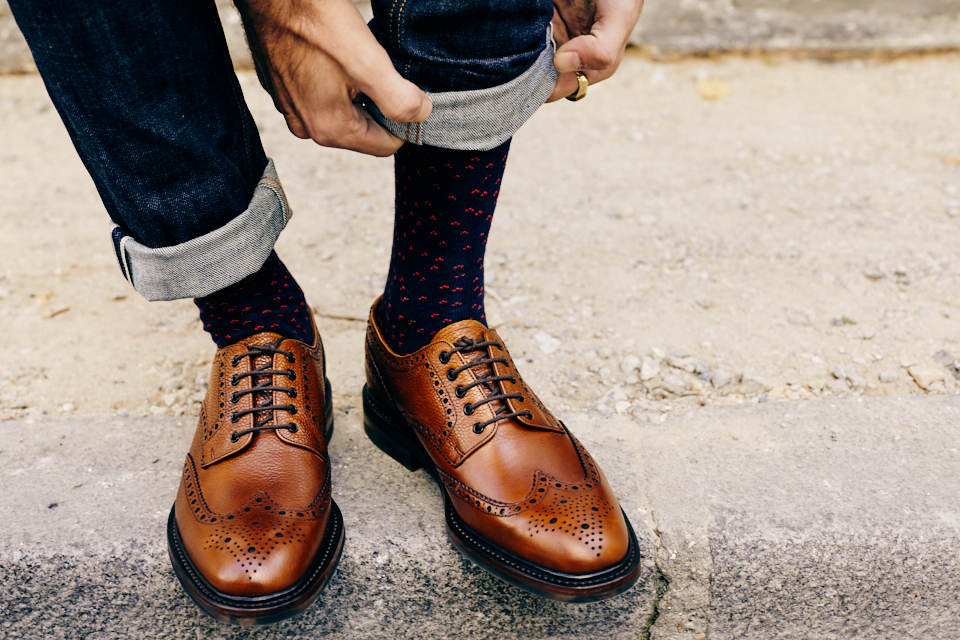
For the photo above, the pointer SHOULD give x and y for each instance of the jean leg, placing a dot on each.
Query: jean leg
(448, 45)
(148, 94)
(487, 64)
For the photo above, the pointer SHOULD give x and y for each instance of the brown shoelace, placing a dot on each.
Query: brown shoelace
(484, 379)
(263, 389)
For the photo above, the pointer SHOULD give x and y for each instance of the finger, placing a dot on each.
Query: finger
(566, 85)
(398, 99)
(586, 52)
(296, 126)
(350, 129)
(603, 47)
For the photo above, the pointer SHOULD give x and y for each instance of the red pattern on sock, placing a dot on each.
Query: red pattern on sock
(445, 201)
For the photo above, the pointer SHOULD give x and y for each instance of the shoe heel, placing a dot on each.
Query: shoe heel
(387, 430)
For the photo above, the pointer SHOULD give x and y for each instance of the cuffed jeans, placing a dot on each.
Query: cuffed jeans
(148, 95)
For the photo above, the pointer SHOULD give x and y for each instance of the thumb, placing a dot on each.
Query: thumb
(586, 52)
(398, 99)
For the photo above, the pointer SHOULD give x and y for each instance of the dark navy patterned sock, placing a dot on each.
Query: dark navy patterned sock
(444, 205)
(268, 300)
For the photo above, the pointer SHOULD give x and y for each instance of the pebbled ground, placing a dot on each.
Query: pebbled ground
(653, 250)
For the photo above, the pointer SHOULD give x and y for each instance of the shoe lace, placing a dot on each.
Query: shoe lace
(485, 378)
(262, 388)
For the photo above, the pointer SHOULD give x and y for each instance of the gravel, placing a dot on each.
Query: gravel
(744, 225)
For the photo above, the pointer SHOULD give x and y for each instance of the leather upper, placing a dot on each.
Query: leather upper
(252, 509)
(524, 483)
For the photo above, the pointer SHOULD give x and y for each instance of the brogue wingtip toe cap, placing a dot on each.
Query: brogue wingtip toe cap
(253, 573)
(576, 553)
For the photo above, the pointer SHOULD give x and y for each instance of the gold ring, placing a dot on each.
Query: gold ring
(581, 91)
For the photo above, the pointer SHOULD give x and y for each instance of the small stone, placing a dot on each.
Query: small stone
(751, 385)
(857, 382)
(548, 344)
(701, 368)
(622, 407)
(617, 395)
(817, 384)
(721, 378)
(170, 399)
(908, 361)
(632, 378)
(686, 363)
(649, 369)
(154, 459)
(77, 484)
(844, 372)
(925, 376)
(888, 377)
(874, 273)
(659, 354)
(629, 363)
(837, 387)
(705, 302)
(944, 358)
(867, 332)
(675, 385)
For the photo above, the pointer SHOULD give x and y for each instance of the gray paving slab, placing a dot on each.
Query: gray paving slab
(828, 520)
(83, 552)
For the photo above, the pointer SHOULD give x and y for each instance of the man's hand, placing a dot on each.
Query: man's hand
(592, 36)
(315, 57)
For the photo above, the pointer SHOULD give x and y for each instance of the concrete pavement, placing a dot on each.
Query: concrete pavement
(828, 519)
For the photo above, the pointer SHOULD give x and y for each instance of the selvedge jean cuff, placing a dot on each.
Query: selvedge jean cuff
(215, 260)
(481, 119)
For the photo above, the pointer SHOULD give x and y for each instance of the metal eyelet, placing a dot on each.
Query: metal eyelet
(234, 419)
(234, 398)
(468, 409)
(292, 411)
(477, 428)
(460, 391)
(235, 361)
(521, 398)
(444, 357)
(451, 376)
(292, 428)
(234, 380)
(291, 374)
(292, 393)
(292, 359)
(234, 437)
(513, 380)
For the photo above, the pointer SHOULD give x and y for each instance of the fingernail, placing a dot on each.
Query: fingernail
(567, 61)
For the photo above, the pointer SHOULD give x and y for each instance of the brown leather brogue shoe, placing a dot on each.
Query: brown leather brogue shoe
(254, 535)
(524, 499)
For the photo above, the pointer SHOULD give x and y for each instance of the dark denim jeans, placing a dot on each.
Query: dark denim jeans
(148, 94)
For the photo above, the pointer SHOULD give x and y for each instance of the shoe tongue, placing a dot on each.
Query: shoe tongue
(464, 329)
